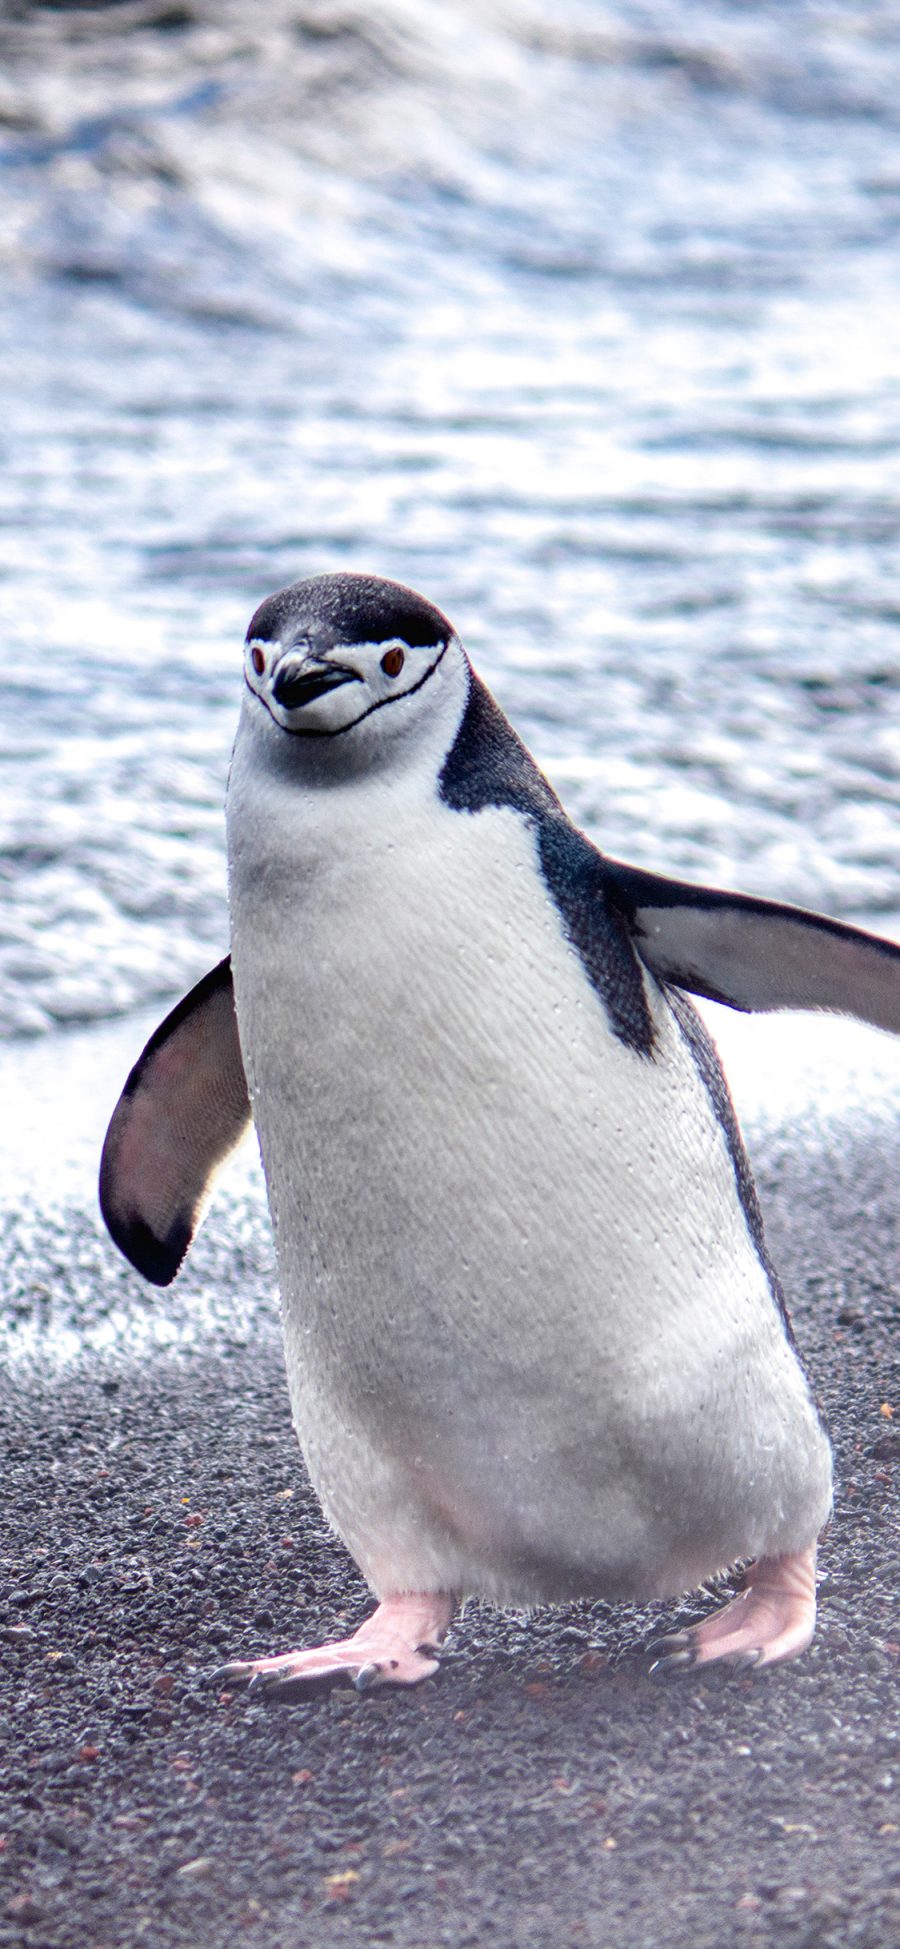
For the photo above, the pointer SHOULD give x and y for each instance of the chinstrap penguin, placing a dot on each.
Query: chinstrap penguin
(535, 1346)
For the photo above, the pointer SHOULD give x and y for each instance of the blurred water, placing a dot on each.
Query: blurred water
(584, 325)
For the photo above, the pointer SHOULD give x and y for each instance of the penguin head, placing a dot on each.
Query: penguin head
(325, 655)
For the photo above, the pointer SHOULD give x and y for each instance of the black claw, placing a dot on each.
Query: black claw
(674, 1663)
(674, 1641)
(236, 1674)
(271, 1685)
(366, 1677)
(275, 1685)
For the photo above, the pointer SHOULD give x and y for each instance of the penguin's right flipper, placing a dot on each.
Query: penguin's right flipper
(183, 1110)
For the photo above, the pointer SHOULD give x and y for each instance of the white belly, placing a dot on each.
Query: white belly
(531, 1349)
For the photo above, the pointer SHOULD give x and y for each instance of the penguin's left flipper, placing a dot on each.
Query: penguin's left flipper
(756, 954)
(183, 1110)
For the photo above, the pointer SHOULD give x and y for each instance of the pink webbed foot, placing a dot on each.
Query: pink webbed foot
(395, 1646)
(773, 1618)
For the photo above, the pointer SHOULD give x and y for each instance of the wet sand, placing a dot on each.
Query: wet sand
(544, 1790)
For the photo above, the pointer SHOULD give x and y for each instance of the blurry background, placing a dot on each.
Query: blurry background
(581, 318)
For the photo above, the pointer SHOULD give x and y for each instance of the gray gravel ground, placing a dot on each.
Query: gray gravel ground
(544, 1790)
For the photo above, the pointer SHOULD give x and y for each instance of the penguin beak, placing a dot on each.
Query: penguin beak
(301, 679)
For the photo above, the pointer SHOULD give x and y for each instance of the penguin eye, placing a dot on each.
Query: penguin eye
(392, 662)
(258, 661)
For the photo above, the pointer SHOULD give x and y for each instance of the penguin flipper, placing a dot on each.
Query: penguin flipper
(754, 954)
(183, 1110)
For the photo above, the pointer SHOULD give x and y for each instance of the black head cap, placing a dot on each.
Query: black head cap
(349, 608)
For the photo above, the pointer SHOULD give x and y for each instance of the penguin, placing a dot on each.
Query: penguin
(536, 1347)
